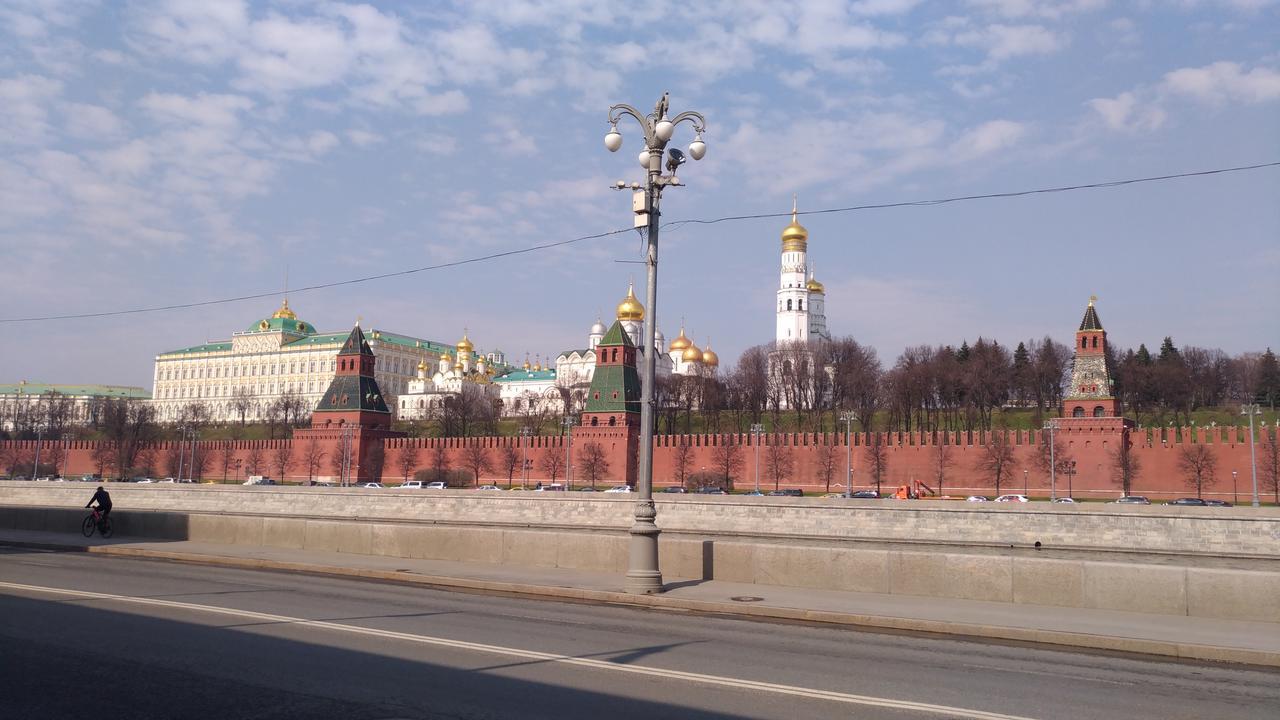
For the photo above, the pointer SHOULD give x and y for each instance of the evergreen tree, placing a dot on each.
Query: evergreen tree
(963, 353)
(1173, 380)
(1268, 379)
(1022, 375)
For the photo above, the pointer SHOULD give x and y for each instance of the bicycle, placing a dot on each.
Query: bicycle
(95, 520)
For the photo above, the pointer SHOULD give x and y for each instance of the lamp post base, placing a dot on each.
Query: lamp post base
(643, 575)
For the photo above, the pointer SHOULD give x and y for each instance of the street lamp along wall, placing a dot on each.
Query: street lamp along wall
(643, 575)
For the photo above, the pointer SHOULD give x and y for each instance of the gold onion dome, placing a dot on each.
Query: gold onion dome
(422, 366)
(526, 365)
(630, 308)
(691, 354)
(794, 236)
(284, 312)
(816, 287)
(464, 345)
(709, 357)
(681, 342)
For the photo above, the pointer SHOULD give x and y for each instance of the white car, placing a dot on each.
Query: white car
(409, 485)
(437, 485)
(620, 489)
(168, 480)
(144, 481)
(374, 485)
(557, 487)
(1070, 501)
(978, 498)
(488, 487)
(1013, 498)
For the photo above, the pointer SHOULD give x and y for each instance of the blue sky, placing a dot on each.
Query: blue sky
(162, 152)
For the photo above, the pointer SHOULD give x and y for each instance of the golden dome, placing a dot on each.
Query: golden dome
(464, 345)
(457, 366)
(816, 287)
(709, 357)
(526, 365)
(794, 236)
(285, 312)
(691, 354)
(630, 308)
(422, 366)
(681, 342)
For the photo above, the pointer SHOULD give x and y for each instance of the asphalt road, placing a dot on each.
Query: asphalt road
(94, 636)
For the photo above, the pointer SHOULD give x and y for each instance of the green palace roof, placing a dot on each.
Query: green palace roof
(526, 376)
(124, 391)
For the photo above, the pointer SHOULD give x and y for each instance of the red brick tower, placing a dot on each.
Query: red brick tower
(352, 418)
(612, 414)
(1090, 394)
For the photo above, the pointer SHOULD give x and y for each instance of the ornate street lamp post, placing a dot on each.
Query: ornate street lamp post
(756, 431)
(1051, 426)
(847, 419)
(1252, 410)
(568, 423)
(643, 575)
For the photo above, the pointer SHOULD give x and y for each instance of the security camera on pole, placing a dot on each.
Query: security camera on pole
(643, 575)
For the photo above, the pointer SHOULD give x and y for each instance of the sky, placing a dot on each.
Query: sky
(158, 153)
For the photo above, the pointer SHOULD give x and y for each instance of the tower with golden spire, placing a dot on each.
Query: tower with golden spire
(793, 286)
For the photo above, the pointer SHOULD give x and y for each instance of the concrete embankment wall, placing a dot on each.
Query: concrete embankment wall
(1241, 531)
(826, 544)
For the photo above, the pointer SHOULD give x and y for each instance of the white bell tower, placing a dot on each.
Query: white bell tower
(793, 291)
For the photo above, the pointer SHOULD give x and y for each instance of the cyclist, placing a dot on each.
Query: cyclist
(103, 498)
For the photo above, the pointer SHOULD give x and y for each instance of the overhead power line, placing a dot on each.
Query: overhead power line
(673, 224)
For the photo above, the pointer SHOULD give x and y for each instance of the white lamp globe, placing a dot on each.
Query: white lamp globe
(697, 148)
(644, 158)
(613, 140)
(664, 129)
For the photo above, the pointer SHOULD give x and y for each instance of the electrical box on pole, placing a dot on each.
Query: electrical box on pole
(640, 206)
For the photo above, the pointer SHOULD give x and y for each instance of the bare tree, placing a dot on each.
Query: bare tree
(779, 460)
(593, 462)
(226, 455)
(942, 461)
(374, 459)
(727, 460)
(128, 424)
(997, 459)
(407, 460)
(439, 454)
(877, 459)
(682, 460)
(199, 461)
(510, 459)
(1271, 462)
(313, 456)
(828, 462)
(476, 457)
(242, 403)
(1125, 466)
(281, 456)
(1053, 458)
(551, 463)
(1199, 465)
(253, 461)
(103, 455)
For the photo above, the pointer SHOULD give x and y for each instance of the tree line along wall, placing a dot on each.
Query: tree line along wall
(908, 456)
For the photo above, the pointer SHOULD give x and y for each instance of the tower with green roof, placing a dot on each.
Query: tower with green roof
(611, 417)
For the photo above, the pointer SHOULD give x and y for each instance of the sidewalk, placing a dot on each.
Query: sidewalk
(1167, 635)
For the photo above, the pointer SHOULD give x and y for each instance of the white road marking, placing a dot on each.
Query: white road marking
(661, 673)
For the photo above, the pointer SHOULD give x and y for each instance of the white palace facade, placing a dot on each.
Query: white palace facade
(276, 357)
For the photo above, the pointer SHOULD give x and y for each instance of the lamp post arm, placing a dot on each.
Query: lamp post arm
(695, 118)
(616, 113)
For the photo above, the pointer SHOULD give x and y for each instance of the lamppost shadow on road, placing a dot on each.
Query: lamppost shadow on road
(621, 657)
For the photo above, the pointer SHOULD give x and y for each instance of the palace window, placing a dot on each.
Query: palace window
(1098, 411)
(1078, 412)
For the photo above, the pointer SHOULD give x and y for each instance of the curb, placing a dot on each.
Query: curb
(1163, 648)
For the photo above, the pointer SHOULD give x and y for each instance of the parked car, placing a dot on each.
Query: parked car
(1013, 498)
(554, 487)
(674, 489)
(144, 481)
(437, 485)
(1218, 503)
(260, 480)
(168, 480)
(866, 494)
(409, 485)
(620, 489)
(978, 498)
(374, 485)
(753, 493)
(321, 483)
(488, 487)
(711, 490)
(1131, 500)
(1187, 501)
(1067, 500)
(787, 492)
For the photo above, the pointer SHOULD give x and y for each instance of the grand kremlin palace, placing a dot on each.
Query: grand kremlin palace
(275, 356)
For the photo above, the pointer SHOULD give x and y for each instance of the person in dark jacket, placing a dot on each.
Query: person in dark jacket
(103, 498)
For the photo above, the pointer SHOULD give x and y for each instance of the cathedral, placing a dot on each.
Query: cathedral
(426, 393)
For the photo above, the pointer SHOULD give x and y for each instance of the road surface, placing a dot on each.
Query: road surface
(94, 636)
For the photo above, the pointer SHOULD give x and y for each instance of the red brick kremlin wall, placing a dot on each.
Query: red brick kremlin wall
(910, 456)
